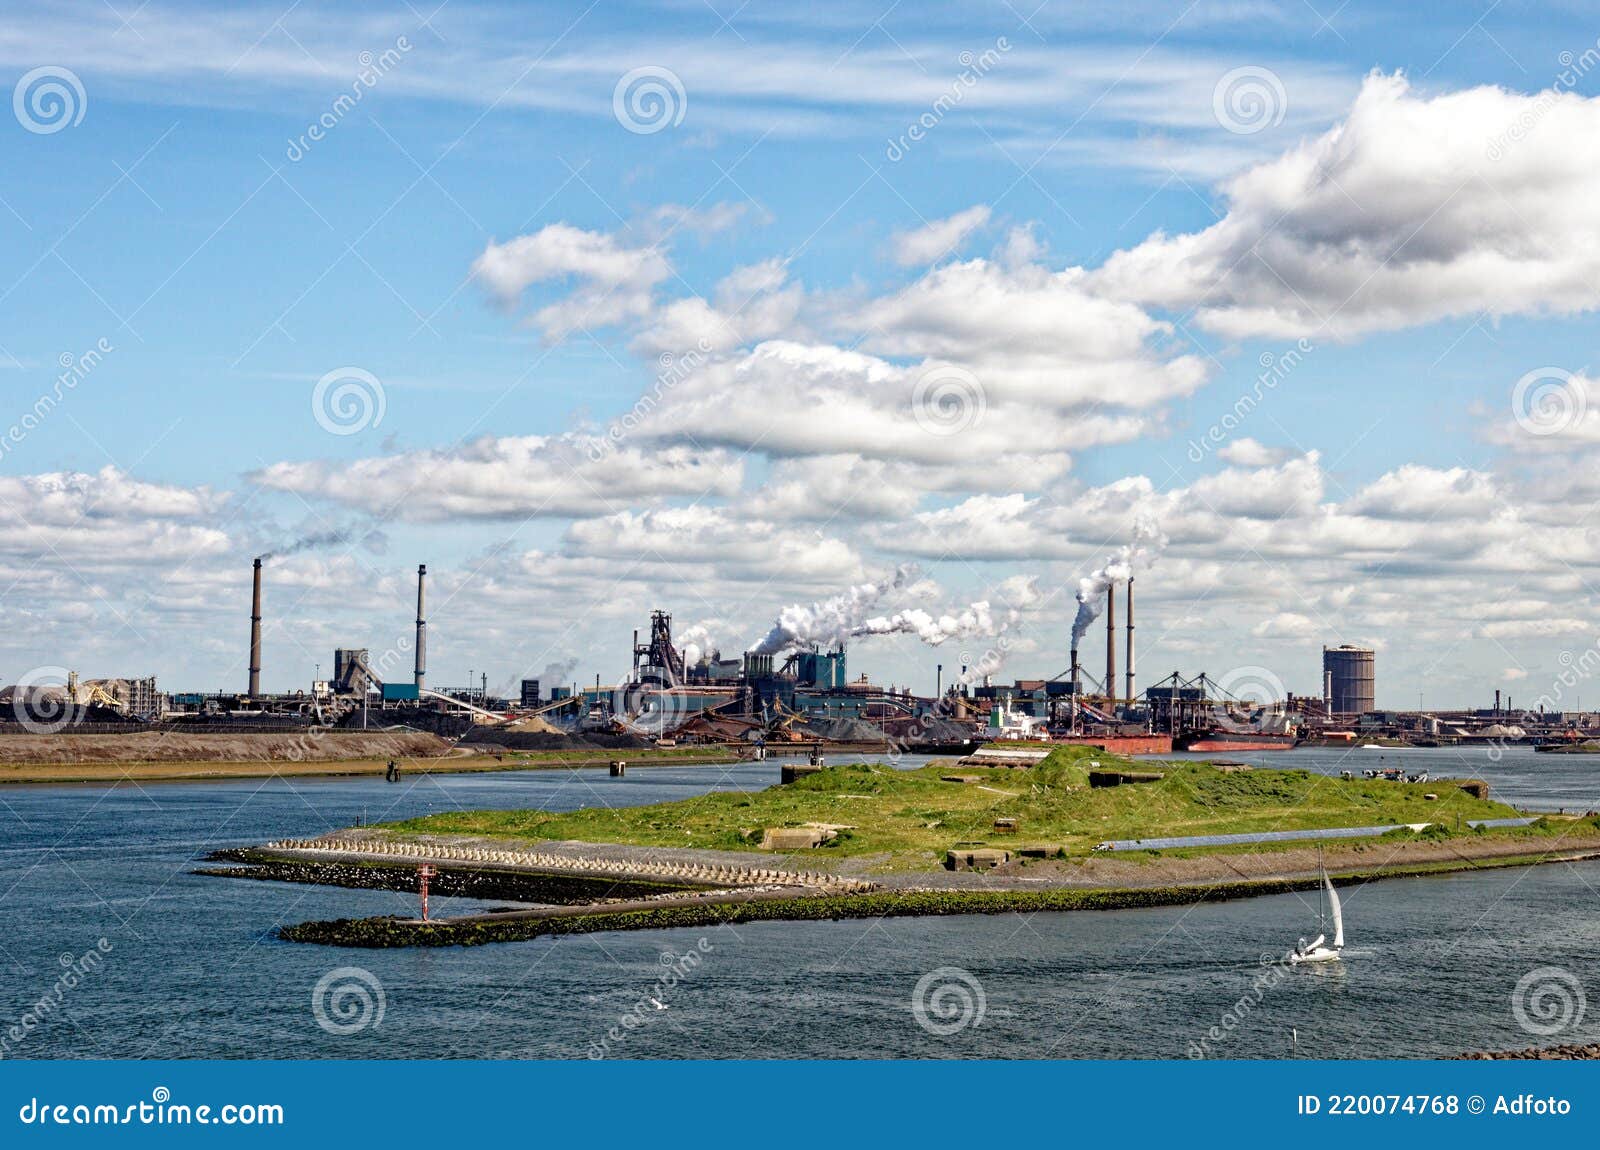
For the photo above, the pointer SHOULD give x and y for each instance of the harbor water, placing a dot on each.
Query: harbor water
(189, 966)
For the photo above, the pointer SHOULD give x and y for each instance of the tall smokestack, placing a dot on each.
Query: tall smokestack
(1111, 641)
(1129, 657)
(255, 632)
(1077, 679)
(422, 628)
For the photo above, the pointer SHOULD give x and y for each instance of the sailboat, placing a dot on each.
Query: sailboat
(1319, 949)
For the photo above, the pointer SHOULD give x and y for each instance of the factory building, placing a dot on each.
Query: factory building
(1349, 679)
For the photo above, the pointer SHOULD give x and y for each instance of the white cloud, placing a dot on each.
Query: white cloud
(688, 539)
(612, 282)
(511, 477)
(1251, 453)
(1405, 212)
(939, 238)
(106, 519)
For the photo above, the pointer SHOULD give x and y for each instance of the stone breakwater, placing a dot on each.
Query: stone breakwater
(1543, 1054)
(649, 870)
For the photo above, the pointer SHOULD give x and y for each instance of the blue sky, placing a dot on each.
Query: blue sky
(230, 261)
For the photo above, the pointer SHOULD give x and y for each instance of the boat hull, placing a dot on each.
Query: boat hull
(1228, 741)
(1321, 954)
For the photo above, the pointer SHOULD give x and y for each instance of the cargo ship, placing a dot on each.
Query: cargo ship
(1220, 739)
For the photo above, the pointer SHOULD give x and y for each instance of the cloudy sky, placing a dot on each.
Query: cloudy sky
(719, 308)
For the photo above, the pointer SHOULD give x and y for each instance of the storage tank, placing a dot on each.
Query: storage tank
(1349, 673)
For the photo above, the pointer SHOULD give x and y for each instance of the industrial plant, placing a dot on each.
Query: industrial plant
(795, 688)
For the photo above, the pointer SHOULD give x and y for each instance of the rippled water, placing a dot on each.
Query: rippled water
(193, 971)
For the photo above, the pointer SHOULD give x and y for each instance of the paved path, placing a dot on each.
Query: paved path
(1285, 836)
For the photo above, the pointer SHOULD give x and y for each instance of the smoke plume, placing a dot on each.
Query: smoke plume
(557, 674)
(696, 642)
(831, 621)
(979, 620)
(1147, 542)
(369, 537)
(845, 616)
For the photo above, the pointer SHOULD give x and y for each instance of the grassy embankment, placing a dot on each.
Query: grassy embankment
(908, 819)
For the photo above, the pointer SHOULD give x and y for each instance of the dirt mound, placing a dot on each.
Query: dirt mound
(533, 724)
(157, 746)
(844, 730)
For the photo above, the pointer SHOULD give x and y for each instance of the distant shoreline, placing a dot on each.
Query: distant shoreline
(222, 771)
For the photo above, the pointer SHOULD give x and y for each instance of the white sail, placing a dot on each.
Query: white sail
(1338, 914)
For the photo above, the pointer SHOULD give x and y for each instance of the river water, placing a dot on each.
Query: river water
(189, 968)
(1516, 775)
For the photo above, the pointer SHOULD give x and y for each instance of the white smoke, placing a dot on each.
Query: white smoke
(1148, 540)
(696, 642)
(979, 620)
(831, 621)
(845, 616)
